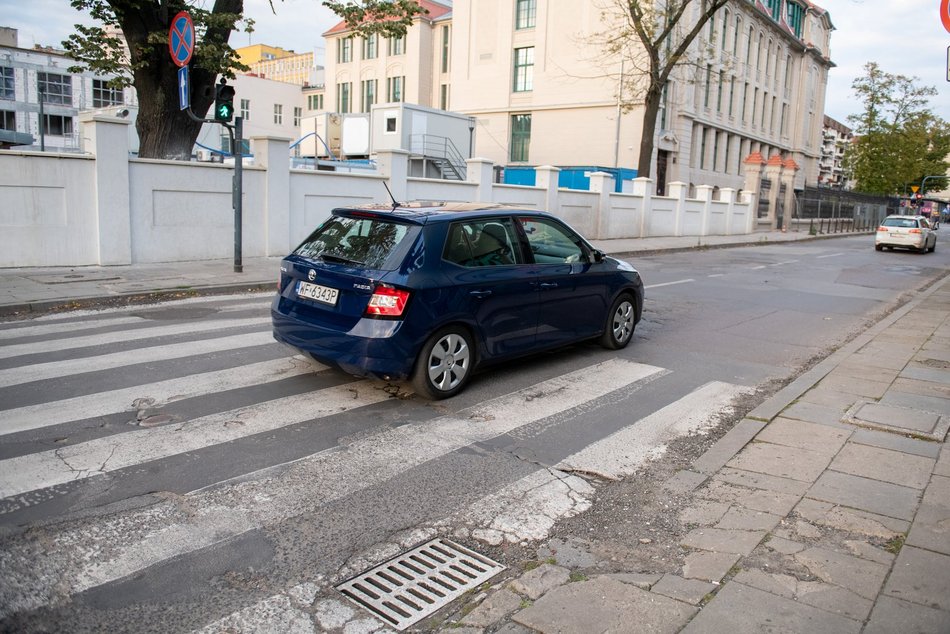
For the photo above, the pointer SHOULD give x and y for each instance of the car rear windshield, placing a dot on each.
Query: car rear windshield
(367, 242)
(900, 222)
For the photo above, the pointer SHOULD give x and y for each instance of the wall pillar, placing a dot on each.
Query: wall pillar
(643, 186)
(678, 191)
(273, 154)
(394, 166)
(773, 172)
(705, 194)
(728, 196)
(481, 171)
(546, 177)
(107, 138)
(754, 164)
(790, 167)
(602, 183)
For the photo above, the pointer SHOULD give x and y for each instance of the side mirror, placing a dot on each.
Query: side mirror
(598, 256)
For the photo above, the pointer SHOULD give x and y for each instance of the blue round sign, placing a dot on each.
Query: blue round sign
(181, 39)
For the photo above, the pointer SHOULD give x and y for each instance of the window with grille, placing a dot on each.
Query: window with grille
(104, 95)
(520, 137)
(7, 85)
(278, 114)
(55, 88)
(525, 14)
(246, 109)
(524, 69)
(298, 113)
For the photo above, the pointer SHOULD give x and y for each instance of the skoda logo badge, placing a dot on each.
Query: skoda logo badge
(312, 275)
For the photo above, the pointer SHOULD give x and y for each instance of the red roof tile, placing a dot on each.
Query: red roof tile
(435, 10)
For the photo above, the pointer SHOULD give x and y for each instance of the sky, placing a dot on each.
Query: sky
(903, 36)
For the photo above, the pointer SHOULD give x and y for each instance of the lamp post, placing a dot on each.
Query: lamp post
(39, 95)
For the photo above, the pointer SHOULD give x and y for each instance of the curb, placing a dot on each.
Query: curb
(732, 245)
(129, 299)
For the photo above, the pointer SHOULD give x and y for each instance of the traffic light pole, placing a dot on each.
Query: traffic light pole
(236, 134)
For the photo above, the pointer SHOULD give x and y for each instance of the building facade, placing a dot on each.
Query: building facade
(31, 76)
(543, 90)
(835, 140)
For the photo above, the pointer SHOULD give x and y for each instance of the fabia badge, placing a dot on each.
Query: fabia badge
(312, 275)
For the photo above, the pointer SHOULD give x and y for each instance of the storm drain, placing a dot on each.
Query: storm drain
(410, 587)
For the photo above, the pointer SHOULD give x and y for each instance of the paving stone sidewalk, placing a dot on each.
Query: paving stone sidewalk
(827, 509)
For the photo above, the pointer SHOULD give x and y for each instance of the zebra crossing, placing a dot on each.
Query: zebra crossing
(268, 440)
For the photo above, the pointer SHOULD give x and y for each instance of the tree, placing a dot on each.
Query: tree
(898, 139)
(131, 45)
(664, 32)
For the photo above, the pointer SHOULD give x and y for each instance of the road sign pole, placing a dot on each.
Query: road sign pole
(237, 150)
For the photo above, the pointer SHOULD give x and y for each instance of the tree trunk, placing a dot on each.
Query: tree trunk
(164, 130)
(651, 107)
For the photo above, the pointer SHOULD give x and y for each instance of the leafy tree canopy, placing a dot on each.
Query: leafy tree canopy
(131, 45)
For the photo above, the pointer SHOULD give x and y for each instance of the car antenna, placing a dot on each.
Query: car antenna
(388, 191)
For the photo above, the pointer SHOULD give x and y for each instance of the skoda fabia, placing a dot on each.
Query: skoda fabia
(430, 292)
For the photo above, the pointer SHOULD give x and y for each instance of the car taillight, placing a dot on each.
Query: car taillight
(387, 302)
(915, 231)
(882, 228)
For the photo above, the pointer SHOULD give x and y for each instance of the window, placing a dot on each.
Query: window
(7, 120)
(397, 45)
(715, 154)
(735, 38)
(395, 87)
(551, 242)
(246, 109)
(58, 125)
(278, 114)
(344, 50)
(784, 126)
(725, 158)
(788, 73)
(748, 48)
(524, 69)
(104, 95)
(445, 49)
(298, 113)
(708, 82)
(368, 89)
(314, 102)
(525, 14)
(732, 93)
(55, 88)
(664, 97)
(489, 242)
(702, 149)
(725, 27)
(794, 15)
(520, 137)
(7, 85)
(444, 96)
(745, 99)
(719, 95)
(755, 101)
(343, 97)
(370, 46)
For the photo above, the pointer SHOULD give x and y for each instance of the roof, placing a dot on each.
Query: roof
(423, 211)
(434, 10)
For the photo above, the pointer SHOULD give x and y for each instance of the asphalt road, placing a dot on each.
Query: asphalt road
(164, 468)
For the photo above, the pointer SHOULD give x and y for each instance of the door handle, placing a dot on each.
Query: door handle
(479, 294)
(548, 285)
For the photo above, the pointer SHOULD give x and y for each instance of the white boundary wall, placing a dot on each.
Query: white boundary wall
(105, 208)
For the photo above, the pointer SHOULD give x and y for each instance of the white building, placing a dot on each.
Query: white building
(29, 76)
(835, 140)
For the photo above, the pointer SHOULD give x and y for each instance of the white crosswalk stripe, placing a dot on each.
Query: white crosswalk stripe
(155, 395)
(117, 336)
(56, 369)
(178, 526)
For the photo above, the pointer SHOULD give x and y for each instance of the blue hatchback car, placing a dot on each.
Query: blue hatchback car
(429, 292)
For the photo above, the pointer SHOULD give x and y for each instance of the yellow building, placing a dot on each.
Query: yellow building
(259, 53)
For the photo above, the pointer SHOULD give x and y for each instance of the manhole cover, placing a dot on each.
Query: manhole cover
(410, 587)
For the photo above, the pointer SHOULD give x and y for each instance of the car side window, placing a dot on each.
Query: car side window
(482, 242)
(551, 243)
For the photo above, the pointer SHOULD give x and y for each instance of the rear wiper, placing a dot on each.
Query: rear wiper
(329, 257)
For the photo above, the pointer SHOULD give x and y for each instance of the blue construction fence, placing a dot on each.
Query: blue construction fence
(570, 177)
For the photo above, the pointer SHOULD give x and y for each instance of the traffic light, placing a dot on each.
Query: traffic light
(223, 103)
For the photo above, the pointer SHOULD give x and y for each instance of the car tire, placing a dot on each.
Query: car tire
(618, 331)
(444, 364)
(878, 247)
(934, 247)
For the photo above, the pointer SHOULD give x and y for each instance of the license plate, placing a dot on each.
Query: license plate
(322, 294)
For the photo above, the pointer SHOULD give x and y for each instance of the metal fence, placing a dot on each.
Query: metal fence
(821, 203)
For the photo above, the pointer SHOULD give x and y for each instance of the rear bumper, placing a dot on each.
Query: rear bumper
(907, 242)
(373, 347)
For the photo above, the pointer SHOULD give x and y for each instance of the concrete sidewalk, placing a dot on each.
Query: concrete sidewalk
(35, 290)
(827, 509)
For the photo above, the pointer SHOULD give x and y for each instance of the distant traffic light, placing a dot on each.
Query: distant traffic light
(223, 103)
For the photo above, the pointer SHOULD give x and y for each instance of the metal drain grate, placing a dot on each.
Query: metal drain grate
(410, 587)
